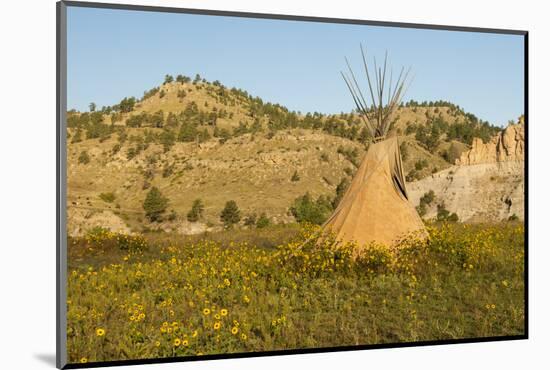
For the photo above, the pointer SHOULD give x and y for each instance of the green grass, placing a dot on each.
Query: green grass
(281, 293)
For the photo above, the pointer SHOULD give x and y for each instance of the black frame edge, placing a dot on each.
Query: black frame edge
(150, 361)
(289, 17)
(61, 185)
(526, 182)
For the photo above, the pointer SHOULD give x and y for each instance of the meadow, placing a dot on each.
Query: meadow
(163, 295)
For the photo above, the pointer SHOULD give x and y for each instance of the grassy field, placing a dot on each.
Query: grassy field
(161, 295)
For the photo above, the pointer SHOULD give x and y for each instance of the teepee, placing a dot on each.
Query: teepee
(375, 207)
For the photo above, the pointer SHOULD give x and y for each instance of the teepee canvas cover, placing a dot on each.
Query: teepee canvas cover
(375, 208)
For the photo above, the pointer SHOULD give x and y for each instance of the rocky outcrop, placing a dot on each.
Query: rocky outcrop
(485, 185)
(507, 146)
(485, 192)
(80, 220)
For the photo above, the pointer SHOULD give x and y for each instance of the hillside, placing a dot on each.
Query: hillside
(256, 172)
(201, 140)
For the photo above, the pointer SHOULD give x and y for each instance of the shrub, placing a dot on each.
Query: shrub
(116, 148)
(263, 221)
(188, 132)
(340, 191)
(168, 170)
(77, 137)
(412, 175)
(403, 148)
(196, 211)
(420, 164)
(157, 119)
(305, 209)
(115, 117)
(150, 93)
(131, 153)
(223, 134)
(452, 154)
(107, 197)
(421, 209)
(250, 219)
(429, 138)
(172, 216)
(171, 120)
(231, 214)
(444, 215)
(84, 158)
(167, 139)
(453, 217)
(203, 135)
(442, 212)
(136, 120)
(425, 201)
(351, 154)
(155, 204)
(428, 197)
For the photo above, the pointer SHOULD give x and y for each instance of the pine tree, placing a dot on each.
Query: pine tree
(230, 214)
(168, 79)
(84, 158)
(196, 211)
(155, 204)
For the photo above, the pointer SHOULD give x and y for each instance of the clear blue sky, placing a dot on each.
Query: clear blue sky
(116, 53)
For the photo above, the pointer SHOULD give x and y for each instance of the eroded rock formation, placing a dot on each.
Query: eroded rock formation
(486, 184)
(509, 145)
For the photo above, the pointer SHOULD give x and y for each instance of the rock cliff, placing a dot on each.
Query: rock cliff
(509, 145)
(486, 184)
